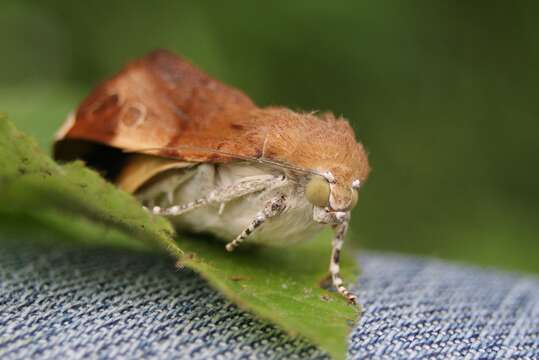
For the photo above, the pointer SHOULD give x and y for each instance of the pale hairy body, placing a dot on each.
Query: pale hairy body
(229, 218)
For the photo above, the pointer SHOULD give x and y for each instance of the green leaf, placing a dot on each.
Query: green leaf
(281, 285)
(277, 284)
(32, 183)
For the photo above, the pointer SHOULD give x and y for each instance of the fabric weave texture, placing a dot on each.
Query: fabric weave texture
(110, 304)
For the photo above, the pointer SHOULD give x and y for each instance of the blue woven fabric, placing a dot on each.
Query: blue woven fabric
(417, 308)
(75, 303)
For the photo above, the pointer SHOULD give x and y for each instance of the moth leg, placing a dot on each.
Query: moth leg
(272, 208)
(223, 195)
(334, 267)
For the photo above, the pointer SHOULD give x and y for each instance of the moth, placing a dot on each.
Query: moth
(204, 155)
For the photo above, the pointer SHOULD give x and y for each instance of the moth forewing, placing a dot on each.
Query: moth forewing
(208, 158)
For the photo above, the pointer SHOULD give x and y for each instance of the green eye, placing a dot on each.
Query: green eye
(317, 191)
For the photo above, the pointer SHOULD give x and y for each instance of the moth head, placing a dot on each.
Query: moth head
(326, 192)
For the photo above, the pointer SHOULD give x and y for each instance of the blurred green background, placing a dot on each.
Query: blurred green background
(442, 94)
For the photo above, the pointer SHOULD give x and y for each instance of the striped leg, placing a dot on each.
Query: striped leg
(221, 196)
(334, 268)
(272, 208)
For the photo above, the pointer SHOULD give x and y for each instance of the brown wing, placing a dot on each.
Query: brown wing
(158, 101)
(162, 102)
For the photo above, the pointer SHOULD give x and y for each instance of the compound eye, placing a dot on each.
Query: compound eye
(317, 191)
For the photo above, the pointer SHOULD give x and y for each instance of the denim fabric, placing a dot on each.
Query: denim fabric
(97, 303)
(418, 308)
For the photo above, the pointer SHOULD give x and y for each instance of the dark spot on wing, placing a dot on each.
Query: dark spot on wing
(236, 126)
(106, 106)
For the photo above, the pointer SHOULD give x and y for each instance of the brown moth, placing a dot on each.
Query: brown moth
(204, 155)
